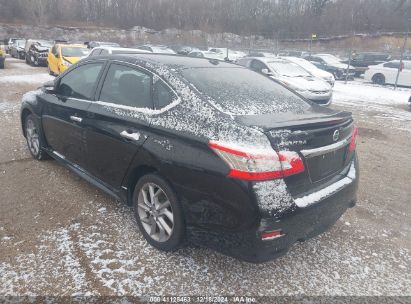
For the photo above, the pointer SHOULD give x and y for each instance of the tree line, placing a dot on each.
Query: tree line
(269, 18)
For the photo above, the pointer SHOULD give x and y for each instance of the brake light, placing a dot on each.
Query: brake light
(271, 235)
(353, 142)
(258, 165)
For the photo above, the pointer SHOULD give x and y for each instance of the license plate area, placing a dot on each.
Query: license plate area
(325, 165)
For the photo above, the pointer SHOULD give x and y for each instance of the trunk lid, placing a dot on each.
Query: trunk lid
(321, 139)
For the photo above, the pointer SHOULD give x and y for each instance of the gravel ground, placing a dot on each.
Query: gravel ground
(61, 236)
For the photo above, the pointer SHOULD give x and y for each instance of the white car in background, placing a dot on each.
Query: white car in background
(312, 69)
(206, 54)
(156, 48)
(108, 50)
(293, 76)
(386, 73)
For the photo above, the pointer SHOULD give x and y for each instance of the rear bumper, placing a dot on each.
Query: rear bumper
(299, 223)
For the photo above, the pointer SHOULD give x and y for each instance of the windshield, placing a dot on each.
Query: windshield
(288, 69)
(74, 51)
(330, 59)
(20, 43)
(239, 91)
(305, 64)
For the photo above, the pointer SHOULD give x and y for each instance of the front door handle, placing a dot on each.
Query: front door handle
(76, 118)
(130, 135)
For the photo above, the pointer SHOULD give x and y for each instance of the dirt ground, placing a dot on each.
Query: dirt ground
(61, 236)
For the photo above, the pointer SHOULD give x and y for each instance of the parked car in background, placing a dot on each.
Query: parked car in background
(249, 169)
(386, 73)
(183, 49)
(2, 56)
(332, 64)
(361, 61)
(62, 56)
(10, 42)
(206, 54)
(37, 51)
(94, 44)
(106, 50)
(293, 53)
(312, 69)
(293, 76)
(158, 49)
(260, 54)
(17, 49)
(231, 55)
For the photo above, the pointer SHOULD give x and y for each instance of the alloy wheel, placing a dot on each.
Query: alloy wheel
(33, 139)
(155, 212)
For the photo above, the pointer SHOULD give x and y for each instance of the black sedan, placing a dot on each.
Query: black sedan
(17, 49)
(207, 152)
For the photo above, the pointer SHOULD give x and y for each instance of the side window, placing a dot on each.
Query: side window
(95, 52)
(127, 86)
(162, 95)
(53, 50)
(80, 82)
(103, 52)
(392, 65)
(257, 66)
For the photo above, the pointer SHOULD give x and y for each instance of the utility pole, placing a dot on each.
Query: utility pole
(351, 46)
(400, 67)
(311, 42)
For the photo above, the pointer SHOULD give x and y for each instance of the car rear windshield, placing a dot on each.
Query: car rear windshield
(74, 51)
(240, 91)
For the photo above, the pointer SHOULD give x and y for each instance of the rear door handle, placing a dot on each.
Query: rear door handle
(130, 135)
(76, 118)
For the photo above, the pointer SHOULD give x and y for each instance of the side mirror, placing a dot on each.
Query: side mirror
(48, 87)
(266, 72)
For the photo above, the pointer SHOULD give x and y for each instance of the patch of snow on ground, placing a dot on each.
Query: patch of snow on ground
(8, 107)
(382, 102)
(106, 254)
(28, 78)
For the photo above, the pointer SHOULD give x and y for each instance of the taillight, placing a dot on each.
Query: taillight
(254, 164)
(271, 235)
(354, 137)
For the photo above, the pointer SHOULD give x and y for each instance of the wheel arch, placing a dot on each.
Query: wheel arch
(133, 178)
(24, 113)
(377, 74)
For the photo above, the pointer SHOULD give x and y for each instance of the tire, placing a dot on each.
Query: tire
(36, 62)
(378, 79)
(162, 227)
(34, 138)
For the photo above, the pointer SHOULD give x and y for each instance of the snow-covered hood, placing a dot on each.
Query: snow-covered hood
(308, 83)
(321, 73)
(40, 48)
